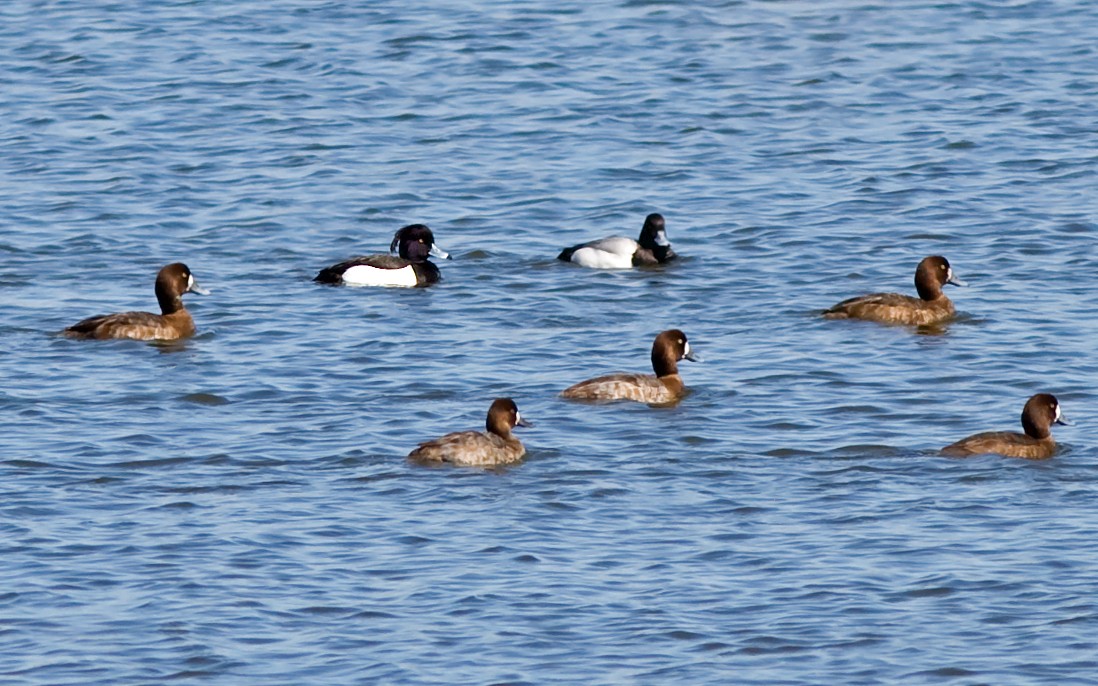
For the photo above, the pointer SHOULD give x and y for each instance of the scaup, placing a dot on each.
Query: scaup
(172, 323)
(665, 387)
(1038, 416)
(414, 244)
(496, 446)
(619, 252)
(931, 307)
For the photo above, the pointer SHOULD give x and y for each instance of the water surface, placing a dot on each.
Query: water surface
(237, 508)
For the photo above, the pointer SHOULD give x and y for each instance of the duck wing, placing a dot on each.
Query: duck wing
(121, 325)
(856, 307)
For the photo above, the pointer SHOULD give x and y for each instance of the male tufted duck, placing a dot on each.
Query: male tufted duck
(1038, 416)
(496, 446)
(665, 387)
(931, 307)
(619, 252)
(174, 321)
(414, 243)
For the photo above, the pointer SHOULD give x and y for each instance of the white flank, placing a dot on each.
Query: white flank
(609, 253)
(363, 275)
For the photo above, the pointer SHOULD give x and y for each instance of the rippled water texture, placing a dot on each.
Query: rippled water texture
(237, 509)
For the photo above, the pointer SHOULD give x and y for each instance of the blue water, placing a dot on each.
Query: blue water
(237, 509)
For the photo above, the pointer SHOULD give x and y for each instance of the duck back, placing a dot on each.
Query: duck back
(473, 448)
(644, 388)
(141, 326)
(1006, 443)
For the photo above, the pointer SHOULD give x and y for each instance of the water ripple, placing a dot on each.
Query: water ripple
(237, 507)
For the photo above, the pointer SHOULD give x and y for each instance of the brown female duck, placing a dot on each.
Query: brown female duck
(665, 387)
(172, 323)
(1038, 416)
(931, 307)
(496, 446)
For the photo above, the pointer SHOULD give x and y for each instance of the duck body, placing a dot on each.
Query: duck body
(381, 270)
(174, 321)
(894, 308)
(475, 448)
(1005, 443)
(140, 326)
(642, 388)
